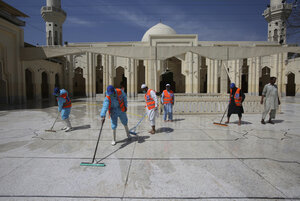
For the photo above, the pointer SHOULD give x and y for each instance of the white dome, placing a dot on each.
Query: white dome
(159, 29)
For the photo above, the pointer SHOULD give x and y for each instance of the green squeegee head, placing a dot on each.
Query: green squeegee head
(92, 164)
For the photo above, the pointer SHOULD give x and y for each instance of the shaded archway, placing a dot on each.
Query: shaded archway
(120, 80)
(78, 83)
(99, 75)
(45, 85)
(141, 75)
(3, 86)
(172, 75)
(264, 79)
(203, 76)
(57, 80)
(291, 85)
(245, 73)
(29, 84)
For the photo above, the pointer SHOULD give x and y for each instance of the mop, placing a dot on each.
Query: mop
(94, 163)
(133, 130)
(53, 125)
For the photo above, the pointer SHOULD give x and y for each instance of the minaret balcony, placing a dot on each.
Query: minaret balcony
(280, 7)
(48, 9)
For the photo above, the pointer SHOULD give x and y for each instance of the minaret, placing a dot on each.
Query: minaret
(54, 17)
(277, 14)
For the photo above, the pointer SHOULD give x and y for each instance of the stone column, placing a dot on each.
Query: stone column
(250, 64)
(208, 63)
(70, 63)
(51, 85)
(104, 65)
(111, 70)
(196, 75)
(134, 77)
(224, 78)
(129, 77)
(257, 72)
(38, 86)
(215, 76)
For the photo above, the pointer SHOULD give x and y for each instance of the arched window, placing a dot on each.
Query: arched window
(275, 37)
(50, 38)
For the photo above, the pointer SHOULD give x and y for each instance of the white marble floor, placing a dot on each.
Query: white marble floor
(188, 159)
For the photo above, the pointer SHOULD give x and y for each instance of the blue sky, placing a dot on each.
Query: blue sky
(128, 20)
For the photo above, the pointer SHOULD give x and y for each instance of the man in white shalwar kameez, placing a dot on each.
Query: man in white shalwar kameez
(151, 106)
(270, 100)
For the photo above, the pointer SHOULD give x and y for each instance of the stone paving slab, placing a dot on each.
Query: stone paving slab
(60, 177)
(201, 178)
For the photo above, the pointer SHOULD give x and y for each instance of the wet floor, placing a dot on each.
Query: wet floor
(190, 158)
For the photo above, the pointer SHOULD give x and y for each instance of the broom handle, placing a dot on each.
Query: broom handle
(98, 141)
(224, 113)
(54, 121)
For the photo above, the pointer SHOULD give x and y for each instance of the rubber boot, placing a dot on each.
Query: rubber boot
(68, 123)
(127, 132)
(113, 142)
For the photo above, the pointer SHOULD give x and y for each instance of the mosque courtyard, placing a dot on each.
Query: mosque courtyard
(190, 158)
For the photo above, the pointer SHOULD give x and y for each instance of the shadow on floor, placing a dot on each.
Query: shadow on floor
(126, 142)
(81, 127)
(164, 130)
(174, 120)
(243, 122)
(277, 121)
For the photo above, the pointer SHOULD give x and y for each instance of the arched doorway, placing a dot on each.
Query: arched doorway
(45, 85)
(57, 80)
(99, 79)
(141, 75)
(264, 79)
(29, 84)
(120, 80)
(3, 86)
(99, 75)
(78, 83)
(203, 76)
(245, 73)
(291, 85)
(172, 75)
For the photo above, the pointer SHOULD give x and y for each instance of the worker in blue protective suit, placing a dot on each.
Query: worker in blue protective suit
(115, 103)
(64, 107)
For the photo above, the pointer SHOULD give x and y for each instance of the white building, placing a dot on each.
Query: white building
(190, 65)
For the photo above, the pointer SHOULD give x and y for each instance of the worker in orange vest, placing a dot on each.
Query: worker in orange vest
(151, 106)
(64, 107)
(167, 99)
(237, 97)
(115, 103)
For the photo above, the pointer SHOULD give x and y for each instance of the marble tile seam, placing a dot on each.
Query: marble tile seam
(153, 159)
(147, 198)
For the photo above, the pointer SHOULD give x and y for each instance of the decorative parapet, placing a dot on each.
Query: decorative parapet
(211, 104)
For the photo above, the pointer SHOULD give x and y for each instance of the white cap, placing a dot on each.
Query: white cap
(168, 85)
(143, 86)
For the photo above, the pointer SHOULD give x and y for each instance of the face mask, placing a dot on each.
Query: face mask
(144, 91)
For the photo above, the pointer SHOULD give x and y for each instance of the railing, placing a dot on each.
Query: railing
(212, 104)
(51, 8)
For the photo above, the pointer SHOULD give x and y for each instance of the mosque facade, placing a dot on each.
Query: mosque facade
(162, 56)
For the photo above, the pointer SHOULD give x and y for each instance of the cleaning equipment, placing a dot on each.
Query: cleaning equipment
(51, 129)
(220, 124)
(133, 130)
(94, 163)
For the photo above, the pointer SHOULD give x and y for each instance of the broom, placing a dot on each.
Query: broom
(220, 124)
(51, 129)
(94, 163)
(132, 131)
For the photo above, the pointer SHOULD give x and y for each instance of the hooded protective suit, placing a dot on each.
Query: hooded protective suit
(115, 110)
(65, 112)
